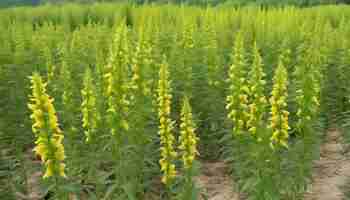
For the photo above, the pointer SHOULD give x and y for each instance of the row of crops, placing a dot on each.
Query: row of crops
(125, 102)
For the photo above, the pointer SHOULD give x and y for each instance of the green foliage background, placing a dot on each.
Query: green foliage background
(8, 3)
(32, 39)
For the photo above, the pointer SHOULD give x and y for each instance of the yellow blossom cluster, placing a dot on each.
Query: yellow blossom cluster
(211, 58)
(66, 78)
(116, 81)
(89, 106)
(279, 114)
(50, 66)
(307, 86)
(188, 46)
(141, 63)
(257, 98)
(46, 129)
(167, 138)
(237, 99)
(188, 138)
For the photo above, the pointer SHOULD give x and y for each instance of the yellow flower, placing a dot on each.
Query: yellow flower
(315, 100)
(89, 106)
(237, 99)
(167, 139)
(253, 130)
(61, 170)
(188, 138)
(141, 66)
(117, 88)
(307, 83)
(279, 114)
(125, 125)
(256, 96)
(49, 169)
(42, 150)
(48, 134)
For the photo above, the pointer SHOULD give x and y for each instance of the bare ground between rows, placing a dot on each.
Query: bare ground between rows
(331, 171)
(33, 177)
(216, 182)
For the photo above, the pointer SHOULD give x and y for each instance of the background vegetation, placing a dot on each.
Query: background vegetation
(7, 3)
(78, 48)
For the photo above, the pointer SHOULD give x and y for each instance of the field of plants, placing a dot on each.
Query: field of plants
(171, 102)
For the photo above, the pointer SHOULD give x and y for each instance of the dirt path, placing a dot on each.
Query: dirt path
(216, 182)
(331, 171)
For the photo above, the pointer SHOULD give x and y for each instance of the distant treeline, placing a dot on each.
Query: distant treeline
(286, 2)
(9, 3)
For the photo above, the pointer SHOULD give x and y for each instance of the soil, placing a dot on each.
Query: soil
(332, 171)
(33, 179)
(216, 182)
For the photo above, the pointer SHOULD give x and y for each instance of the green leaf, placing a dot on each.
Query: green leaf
(129, 190)
(110, 191)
